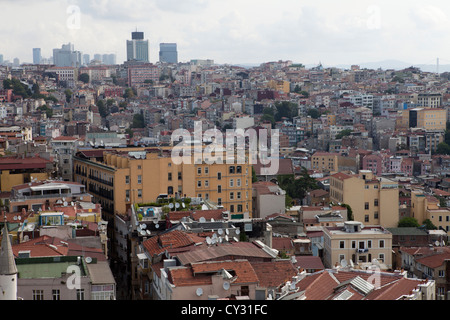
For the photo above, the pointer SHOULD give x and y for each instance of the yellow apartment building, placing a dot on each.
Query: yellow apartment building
(325, 162)
(427, 207)
(426, 118)
(117, 178)
(373, 200)
(280, 85)
(357, 243)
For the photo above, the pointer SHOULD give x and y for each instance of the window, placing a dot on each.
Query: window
(341, 244)
(139, 167)
(219, 189)
(381, 244)
(169, 176)
(206, 183)
(56, 295)
(206, 170)
(232, 208)
(238, 169)
(239, 208)
(139, 193)
(169, 190)
(219, 176)
(381, 257)
(219, 201)
(199, 170)
(231, 195)
(375, 202)
(38, 294)
(180, 176)
(341, 257)
(238, 182)
(127, 195)
(441, 273)
(369, 244)
(231, 183)
(238, 195)
(140, 178)
(199, 184)
(366, 206)
(127, 179)
(232, 169)
(353, 244)
(366, 218)
(362, 245)
(375, 215)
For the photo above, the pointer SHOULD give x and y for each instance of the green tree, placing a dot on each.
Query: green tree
(254, 177)
(443, 148)
(102, 109)
(84, 77)
(408, 222)
(129, 93)
(429, 225)
(138, 121)
(349, 211)
(285, 109)
(344, 133)
(314, 113)
(68, 94)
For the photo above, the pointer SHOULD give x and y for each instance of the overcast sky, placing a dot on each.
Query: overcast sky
(234, 31)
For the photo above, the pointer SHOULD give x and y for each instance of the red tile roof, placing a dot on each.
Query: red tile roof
(274, 273)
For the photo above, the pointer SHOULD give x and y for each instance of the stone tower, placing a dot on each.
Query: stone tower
(8, 269)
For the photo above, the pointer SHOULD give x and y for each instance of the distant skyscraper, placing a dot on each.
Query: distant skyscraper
(168, 53)
(137, 47)
(37, 58)
(112, 59)
(1, 58)
(86, 59)
(98, 57)
(16, 62)
(67, 56)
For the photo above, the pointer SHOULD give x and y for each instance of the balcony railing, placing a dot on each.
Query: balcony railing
(68, 196)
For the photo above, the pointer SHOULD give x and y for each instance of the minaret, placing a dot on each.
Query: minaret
(8, 269)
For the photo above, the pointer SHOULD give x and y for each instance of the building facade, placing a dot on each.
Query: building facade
(358, 244)
(373, 200)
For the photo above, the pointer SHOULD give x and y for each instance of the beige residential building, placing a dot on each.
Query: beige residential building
(373, 200)
(325, 162)
(425, 207)
(358, 244)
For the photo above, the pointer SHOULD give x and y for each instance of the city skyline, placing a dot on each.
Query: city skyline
(236, 33)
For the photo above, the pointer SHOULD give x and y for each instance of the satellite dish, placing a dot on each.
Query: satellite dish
(88, 259)
(19, 218)
(184, 206)
(238, 231)
(351, 263)
(212, 219)
(220, 231)
(143, 233)
(148, 232)
(15, 218)
(65, 203)
(208, 240)
(202, 220)
(143, 226)
(220, 240)
(344, 263)
(226, 285)
(226, 238)
(436, 243)
(199, 292)
(227, 231)
(177, 205)
(157, 226)
(171, 205)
